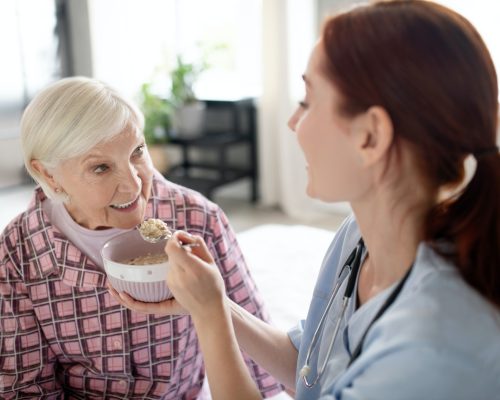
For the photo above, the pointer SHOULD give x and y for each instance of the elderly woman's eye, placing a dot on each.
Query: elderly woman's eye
(139, 150)
(100, 169)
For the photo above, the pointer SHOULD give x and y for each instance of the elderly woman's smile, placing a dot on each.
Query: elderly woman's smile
(126, 206)
(108, 186)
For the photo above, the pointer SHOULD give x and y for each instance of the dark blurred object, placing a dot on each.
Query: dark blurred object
(224, 152)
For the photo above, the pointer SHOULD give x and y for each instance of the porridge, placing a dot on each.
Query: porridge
(147, 259)
(154, 228)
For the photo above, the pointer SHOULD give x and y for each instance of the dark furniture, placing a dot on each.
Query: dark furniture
(224, 152)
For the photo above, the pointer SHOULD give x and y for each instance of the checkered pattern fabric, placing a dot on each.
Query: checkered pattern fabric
(63, 336)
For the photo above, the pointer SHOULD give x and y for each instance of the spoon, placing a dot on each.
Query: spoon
(154, 230)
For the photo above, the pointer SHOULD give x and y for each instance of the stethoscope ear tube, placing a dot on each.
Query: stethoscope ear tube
(356, 263)
(390, 300)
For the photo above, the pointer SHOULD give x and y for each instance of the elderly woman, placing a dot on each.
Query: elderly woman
(61, 332)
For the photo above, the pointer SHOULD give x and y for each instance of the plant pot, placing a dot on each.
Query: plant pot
(158, 154)
(189, 119)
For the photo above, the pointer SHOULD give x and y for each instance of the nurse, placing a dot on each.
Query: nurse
(398, 95)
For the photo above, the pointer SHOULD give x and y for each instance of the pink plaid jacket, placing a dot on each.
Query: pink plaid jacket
(63, 336)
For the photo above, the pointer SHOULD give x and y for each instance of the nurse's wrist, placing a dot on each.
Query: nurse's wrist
(213, 314)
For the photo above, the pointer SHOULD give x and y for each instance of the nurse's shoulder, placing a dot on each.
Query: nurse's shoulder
(449, 312)
(440, 329)
(439, 337)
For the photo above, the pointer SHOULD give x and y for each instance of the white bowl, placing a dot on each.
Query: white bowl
(142, 282)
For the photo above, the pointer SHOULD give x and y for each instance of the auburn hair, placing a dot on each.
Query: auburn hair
(429, 68)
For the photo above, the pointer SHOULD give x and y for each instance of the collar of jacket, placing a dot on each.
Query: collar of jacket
(49, 253)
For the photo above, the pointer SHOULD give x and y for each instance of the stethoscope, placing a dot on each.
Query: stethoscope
(352, 264)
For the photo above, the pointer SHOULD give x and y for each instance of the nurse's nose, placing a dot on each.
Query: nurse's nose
(292, 122)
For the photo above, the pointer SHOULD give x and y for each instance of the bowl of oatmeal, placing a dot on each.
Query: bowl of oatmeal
(136, 266)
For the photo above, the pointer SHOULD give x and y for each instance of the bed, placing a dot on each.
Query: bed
(284, 261)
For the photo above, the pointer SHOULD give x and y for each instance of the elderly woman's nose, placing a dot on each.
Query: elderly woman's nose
(130, 180)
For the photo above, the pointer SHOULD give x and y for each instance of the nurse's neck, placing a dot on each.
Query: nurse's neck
(391, 240)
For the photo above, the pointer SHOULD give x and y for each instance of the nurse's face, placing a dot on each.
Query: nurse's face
(110, 185)
(327, 138)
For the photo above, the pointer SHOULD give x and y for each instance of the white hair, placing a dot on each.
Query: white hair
(70, 117)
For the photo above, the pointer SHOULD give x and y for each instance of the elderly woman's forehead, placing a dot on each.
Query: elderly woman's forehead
(129, 134)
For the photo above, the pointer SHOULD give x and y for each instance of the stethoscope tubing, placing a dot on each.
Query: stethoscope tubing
(353, 262)
(354, 271)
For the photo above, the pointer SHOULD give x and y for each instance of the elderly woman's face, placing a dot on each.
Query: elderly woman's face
(109, 186)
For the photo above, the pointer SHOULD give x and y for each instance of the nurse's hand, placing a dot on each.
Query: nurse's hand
(193, 277)
(165, 307)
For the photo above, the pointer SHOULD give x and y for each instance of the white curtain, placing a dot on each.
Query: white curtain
(289, 33)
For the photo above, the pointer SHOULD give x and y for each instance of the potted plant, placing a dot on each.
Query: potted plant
(188, 112)
(157, 121)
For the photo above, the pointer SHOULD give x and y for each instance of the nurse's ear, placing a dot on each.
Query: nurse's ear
(373, 134)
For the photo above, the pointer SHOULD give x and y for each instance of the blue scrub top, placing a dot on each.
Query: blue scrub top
(439, 340)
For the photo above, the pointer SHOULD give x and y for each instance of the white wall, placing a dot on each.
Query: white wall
(11, 162)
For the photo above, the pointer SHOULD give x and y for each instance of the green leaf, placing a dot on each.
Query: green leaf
(157, 115)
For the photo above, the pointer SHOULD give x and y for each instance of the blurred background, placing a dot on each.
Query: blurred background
(225, 51)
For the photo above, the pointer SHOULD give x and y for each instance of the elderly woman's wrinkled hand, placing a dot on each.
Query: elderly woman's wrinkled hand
(193, 277)
(165, 307)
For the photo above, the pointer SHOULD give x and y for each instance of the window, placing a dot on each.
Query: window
(135, 41)
(29, 53)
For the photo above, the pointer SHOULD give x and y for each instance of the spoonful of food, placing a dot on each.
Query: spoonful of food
(154, 230)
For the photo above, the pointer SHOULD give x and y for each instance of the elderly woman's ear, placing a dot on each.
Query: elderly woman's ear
(46, 175)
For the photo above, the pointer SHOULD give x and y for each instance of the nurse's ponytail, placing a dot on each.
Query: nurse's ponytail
(472, 222)
(430, 69)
